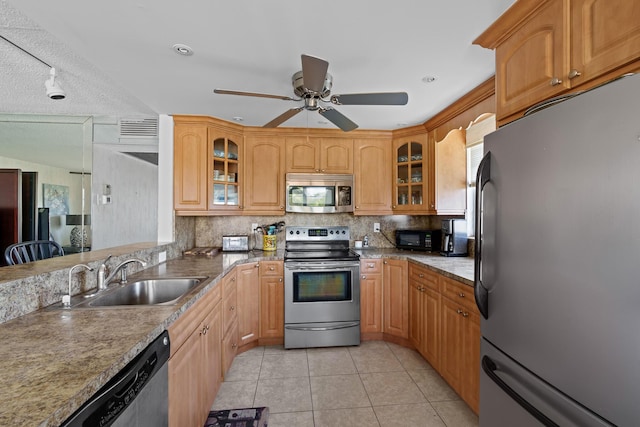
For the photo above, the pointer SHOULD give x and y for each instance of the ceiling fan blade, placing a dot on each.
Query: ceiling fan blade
(338, 119)
(314, 71)
(283, 117)
(259, 95)
(382, 98)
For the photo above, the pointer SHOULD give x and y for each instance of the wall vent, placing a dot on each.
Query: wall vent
(145, 127)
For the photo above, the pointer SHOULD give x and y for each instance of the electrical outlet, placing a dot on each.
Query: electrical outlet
(376, 227)
(162, 256)
(254, 225)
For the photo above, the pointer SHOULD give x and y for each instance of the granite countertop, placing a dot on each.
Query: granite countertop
(55, 359)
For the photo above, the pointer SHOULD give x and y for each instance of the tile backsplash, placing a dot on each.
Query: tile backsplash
(209, 230)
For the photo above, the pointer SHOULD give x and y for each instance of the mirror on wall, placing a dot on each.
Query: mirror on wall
(53, 156)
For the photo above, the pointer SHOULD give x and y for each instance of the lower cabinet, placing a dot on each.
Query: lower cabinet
(460, 341)
(248, 289)
(424, 313)
(371, 296)
(229, 320)
(195, 372)
(271, 302)
(396, 298)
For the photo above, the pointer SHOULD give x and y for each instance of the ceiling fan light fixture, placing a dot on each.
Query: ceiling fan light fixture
(182, 49)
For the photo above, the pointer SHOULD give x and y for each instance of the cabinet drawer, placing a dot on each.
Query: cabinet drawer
(190, 320)
(271, 268)
(371, 266)
(424, 277)
(458, 292)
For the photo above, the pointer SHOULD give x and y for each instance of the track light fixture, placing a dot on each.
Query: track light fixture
(54, 90)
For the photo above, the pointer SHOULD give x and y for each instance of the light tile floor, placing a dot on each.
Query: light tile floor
(374, 384)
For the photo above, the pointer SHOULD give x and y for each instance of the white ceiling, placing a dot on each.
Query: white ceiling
(116, 58)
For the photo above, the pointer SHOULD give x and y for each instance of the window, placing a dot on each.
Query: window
(483, 125)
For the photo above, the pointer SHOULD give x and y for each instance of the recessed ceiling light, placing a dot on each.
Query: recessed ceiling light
(182, 49)
(402, 124)
(238, 118)
(322, 122)
(429, 79)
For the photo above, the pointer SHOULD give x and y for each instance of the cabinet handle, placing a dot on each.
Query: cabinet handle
(555, 81)
(459, 311)
(465, 314)
(461, 294)
(574, 73)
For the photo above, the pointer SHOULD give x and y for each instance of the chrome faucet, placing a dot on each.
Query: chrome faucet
(122, 268)
(103, 271)
(66, 299)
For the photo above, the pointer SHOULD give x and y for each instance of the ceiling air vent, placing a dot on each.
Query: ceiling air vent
(146, 127)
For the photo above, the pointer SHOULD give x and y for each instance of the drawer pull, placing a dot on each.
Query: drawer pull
(555, 81)
(370, 265)
(234, 345)
(459, 311)
(461, 294)
(574, 73)
(364, 277)
(272, 268)
(465, 314)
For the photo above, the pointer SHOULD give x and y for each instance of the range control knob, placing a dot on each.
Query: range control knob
(297, 231)
(291, 232)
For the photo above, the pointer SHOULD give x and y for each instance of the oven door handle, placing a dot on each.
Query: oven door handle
(323, 328)
(308, 266)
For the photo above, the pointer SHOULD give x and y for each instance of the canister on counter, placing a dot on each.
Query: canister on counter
(269, 243)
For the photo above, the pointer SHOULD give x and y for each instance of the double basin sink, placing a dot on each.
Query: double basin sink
(159, 291)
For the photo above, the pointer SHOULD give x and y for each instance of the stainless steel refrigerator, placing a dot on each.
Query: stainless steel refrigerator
(558, 264)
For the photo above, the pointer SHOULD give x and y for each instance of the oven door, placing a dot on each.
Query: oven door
(321, 291)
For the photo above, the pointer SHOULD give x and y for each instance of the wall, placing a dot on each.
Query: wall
(132, 215)
(52, 175)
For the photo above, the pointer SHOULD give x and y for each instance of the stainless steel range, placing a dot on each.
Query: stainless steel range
(321, 288)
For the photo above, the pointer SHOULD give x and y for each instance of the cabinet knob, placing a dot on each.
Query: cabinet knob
(281, 207)
(385, 262)
(574, 73)
(465, 314)
(461, 294)
(233, 279)
(257, 265)
(555, 81)
(459, 311)
(393, 207)
(280, 280)
(364, 276)
(370, 265)
(433, 206)
(421, 275)
(232, 308)
(272, 268)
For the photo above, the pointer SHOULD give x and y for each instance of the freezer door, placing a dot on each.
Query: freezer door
(560, 247)
(512, 396)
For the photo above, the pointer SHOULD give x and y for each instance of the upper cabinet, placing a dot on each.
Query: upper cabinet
(449, 160)
(545, 48)
(372, 176)
(411, 174)
(319, 155)
(264, 180)
(207, 164)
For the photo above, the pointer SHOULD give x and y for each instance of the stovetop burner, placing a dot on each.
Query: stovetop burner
(318, 244)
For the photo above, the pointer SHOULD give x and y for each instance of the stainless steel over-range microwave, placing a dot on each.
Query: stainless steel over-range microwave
(319, 193)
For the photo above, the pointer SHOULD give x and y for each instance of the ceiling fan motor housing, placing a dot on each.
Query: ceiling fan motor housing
(300, 89)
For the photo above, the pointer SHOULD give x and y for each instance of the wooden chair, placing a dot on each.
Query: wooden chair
(21, 253)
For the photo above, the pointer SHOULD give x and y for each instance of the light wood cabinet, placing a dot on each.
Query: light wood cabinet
(271, 301)
(396, 298)
(424, 313)
(195, 368)
(207, 167)
(229, 320)
(371, 296)
(319, 155)
(248, 291)
(460, 341)
(411, 174)
(546, 48)
(372, 176)
(225, 171)
(264, 182)
(190, 167)
(448, 188)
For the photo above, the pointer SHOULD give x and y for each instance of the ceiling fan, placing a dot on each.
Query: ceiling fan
(315, 88)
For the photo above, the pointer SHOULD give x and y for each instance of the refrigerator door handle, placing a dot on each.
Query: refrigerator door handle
(490, 368)
(481, 293)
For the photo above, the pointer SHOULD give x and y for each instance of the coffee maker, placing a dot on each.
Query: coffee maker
(454, 237)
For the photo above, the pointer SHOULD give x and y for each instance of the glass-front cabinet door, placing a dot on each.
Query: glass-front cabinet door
(410, 159)
(225, 171)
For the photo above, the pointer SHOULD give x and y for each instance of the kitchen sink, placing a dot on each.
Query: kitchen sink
(163, 291)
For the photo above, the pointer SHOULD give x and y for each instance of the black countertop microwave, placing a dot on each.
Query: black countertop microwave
(419, 240)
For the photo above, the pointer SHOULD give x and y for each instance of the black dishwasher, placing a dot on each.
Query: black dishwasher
(136, 396)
